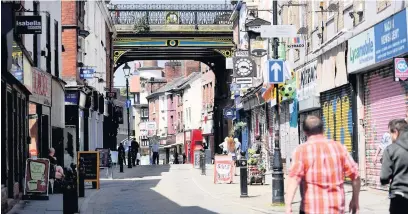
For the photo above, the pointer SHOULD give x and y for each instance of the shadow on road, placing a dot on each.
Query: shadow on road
(124, 196)
(134, 172)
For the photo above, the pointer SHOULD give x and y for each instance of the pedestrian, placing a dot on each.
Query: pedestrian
(385, 141)
(121, 154)
(224, 146)
(176, 161)
(184, 158)
(135, 149)
(394, 169)
(59, 172)
(319, 167)
(155, 149)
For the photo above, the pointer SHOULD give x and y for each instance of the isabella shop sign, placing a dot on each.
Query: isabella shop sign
(28, 25)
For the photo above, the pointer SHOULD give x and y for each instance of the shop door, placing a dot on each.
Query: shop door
(44, 136)
(337, 116)
(302, 118)
(10, 142)
(384, 100)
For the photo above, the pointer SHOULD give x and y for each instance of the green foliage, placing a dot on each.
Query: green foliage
(142, 25)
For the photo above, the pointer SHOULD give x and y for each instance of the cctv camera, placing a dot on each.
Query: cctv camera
(351, 14)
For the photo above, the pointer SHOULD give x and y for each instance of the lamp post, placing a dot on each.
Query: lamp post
(277, 174)
(126, 71)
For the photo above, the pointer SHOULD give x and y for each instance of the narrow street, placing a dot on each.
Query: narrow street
(160, 189)
(168, 189)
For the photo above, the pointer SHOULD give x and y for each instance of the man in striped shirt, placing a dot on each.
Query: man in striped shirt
(321, 165)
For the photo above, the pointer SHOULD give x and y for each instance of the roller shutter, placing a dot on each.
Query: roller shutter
(384, 100)
(337, 115)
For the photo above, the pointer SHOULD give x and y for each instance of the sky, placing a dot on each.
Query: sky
(119, 79)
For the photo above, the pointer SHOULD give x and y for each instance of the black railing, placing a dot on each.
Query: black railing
(170, 14)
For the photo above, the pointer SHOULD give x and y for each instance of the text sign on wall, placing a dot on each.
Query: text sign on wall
(391, 37)
(86, 73)
(401, 69)
(41, 87)
(385, 40)
(28, 25)
(307, 77)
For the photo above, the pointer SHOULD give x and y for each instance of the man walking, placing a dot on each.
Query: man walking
(394, 168)
(155, 150)
(321, 165)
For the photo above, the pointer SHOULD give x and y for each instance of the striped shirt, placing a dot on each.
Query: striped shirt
(321, 164)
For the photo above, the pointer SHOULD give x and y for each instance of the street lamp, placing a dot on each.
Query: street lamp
(126, 71)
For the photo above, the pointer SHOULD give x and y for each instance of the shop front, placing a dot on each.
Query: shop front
(382, 82)
(75, 105)
(58, 118)
(40, 113)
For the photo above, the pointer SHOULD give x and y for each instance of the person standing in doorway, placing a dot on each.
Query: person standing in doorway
(394, 167)
(320, 165)
(121, 154)
(155, 150)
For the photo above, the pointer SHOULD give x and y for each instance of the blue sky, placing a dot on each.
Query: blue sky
(119, 78)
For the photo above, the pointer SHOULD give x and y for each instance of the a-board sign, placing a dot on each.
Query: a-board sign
(91, 165)
(103, 157)
(223, 169)
(37, 175)
(197, 159)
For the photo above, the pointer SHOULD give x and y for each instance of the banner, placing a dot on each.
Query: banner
(223, 169)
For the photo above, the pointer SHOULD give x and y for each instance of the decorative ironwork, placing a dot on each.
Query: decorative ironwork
(170, 7)
(117, 55)
(188, 14)
(225, 52)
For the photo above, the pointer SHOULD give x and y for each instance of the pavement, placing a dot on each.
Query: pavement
(178, 189)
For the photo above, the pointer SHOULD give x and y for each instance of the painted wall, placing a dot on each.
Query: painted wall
(192, 111)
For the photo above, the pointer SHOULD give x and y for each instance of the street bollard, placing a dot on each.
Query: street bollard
(130, 157)
(243, 176)
(70, 193)
(202, 161)
(81, 178)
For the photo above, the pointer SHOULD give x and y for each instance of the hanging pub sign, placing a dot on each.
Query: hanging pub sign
(296, 43)
(71, 98)
(229, 113)
(28, 25)
(111, 94)
(86, 73)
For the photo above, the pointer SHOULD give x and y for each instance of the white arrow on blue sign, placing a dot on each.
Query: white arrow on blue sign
(128, 103)
(276, 71)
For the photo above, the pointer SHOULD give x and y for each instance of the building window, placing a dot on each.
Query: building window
(145, 112)
(136, 98)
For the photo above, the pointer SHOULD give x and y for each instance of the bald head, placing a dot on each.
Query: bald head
(313, 125)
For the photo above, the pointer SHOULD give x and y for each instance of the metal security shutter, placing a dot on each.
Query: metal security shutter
(302, 118)
(384, 100)
(337, 115)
